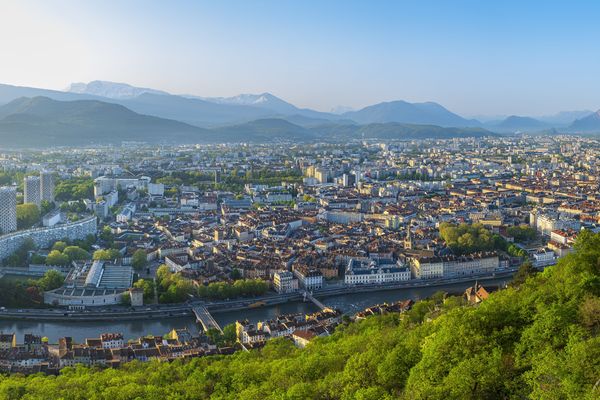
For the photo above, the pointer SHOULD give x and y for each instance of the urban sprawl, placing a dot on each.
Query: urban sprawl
(141, 228)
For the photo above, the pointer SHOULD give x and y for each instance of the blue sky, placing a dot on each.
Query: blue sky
(474, 57)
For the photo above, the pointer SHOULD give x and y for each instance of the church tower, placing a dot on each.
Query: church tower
(408, 242)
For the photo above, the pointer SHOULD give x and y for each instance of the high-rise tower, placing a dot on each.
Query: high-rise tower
(8, 209)
(32, 190)
(47, 186)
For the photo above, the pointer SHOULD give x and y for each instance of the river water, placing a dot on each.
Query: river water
(349, 303)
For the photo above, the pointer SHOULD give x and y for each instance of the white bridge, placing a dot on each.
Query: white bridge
(308, 296)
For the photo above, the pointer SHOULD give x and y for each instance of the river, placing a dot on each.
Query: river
(350, 304)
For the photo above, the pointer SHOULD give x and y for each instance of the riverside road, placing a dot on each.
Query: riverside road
(117, 313)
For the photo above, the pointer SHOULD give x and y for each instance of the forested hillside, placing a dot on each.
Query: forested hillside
(537, 340)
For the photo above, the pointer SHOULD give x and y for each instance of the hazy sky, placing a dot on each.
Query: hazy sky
(473, 57)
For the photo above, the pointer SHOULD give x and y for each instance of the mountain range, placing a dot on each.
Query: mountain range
(43, 122)
(101, 111)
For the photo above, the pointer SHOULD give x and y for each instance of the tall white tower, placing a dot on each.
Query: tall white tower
(8, 209)
(32, 190)
(47, 186)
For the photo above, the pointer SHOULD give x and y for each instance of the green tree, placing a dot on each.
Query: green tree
(28, 214)
(55, 257)
(46, 206)
(59, 246)
(76, 253)
(147, 286)
(51, 280)
(106, 254)
(525, 271)
(139, 260)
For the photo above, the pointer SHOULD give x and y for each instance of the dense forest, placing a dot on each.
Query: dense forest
(537, 339)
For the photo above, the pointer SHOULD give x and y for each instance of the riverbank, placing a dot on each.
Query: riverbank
(348, 303)
(184, 310)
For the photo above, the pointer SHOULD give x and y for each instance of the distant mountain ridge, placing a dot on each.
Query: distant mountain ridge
(591, 123)
(111, 90)
(217, 112)
(263, 100)
(44, 122)
(518, 123)
(41, 121)
(409, 113)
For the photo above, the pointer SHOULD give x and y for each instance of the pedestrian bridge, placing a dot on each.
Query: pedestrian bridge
(308, 296)
(205, 319)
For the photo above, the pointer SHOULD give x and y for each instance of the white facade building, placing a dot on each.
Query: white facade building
(309, 279)
(361, 272)
(285, 282)
(156, 189)
(31, 190)
(454, 266)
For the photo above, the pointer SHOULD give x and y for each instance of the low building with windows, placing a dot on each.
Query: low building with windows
(309, 279)
(452, 266)
(95, 283)
(285, 282)
(361, 272)
(544, 257)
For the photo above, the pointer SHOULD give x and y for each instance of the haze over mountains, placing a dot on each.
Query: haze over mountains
(100, 112)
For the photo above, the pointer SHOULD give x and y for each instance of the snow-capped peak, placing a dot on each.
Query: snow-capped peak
(112, 90)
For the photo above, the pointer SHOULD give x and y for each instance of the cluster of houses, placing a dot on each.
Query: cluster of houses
(109, 350)
(300, 328)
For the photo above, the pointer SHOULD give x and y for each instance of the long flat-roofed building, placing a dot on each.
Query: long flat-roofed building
(95, 283)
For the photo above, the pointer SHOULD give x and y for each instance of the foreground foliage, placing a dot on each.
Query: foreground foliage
(536, 340)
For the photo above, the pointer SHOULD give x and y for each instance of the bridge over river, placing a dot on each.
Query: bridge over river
(205, 319)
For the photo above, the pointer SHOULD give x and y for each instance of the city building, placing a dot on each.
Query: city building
(361, 272)
(93, 283)
(52, 218)
(126, 214)
(101, 209)
(309, 279)
(136, 297)
(454, 266)
(47, 186)
(46, 236)
(32, 190)
(285, 282)
(8, 210)
(156, 189)
(543, 257)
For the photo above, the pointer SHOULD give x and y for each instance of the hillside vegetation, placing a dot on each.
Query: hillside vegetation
(538, 339)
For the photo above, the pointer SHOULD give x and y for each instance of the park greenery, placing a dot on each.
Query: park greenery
(172, 287)
(470, 238)
(467, 238)
(106, 254)
(537, 339)
(239, 288)
(28, 214)
(17, 292)
(522, 233)
(74, 189)
(139, 260)
(63, 254)
(147, 285)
